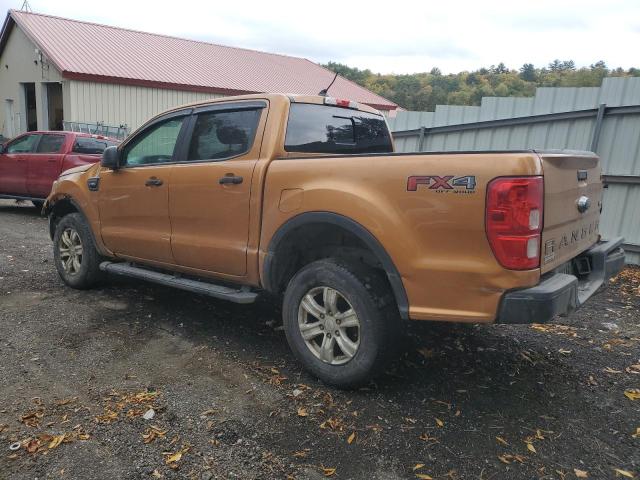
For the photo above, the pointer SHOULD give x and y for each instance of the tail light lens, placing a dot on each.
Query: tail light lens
(514, 221)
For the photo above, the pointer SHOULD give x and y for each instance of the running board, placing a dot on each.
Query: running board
(242, 295)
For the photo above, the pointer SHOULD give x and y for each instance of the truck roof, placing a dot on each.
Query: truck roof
(66, 132)
(275, 97)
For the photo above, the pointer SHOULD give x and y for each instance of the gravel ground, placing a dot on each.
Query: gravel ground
(79, 370)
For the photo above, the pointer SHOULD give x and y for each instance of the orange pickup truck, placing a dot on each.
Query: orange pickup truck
(304, 197)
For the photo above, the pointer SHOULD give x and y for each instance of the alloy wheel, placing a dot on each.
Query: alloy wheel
(70, 250)
(329, 325)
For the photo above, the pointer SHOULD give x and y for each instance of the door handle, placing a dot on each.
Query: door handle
(153, 182)
(230, 179)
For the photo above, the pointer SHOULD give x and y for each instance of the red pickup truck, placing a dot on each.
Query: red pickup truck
(30, 163)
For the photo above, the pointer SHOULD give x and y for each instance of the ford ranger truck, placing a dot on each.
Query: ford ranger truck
(31, 162)
(303, 197)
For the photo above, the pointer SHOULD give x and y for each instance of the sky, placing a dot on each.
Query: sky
(398, 36)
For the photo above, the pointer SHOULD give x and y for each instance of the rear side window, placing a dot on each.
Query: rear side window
(326, 129)
(219, 135)
(50, 144)
(92, 146)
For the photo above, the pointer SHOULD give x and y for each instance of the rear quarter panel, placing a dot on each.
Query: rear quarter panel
(435, 237)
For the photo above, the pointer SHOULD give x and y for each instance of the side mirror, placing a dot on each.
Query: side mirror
(111, 158)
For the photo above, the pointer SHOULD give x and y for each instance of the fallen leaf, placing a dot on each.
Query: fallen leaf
(580, 473)
(637, 434)
(633, 369)
(152, 433)
(531, 448)
(301, 453)
(439, 422)
(156, 474)
(423, 476)
(172, 458)
(328, 472)
(32, 446)
(632, 394)
(108, 417)
(57, 440)
(32, 419)
(611, 370)
(426, 352)
(502, 441)
(302, 412)
(623, 473)
(564, 352)
(505, 459)
(334, 424)
(418, 466)
(426, 438)
(351, 438)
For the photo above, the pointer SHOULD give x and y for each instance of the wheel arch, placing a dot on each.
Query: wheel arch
(272, 272)
(59, 207)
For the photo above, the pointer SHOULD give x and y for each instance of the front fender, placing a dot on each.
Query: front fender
(72, 189)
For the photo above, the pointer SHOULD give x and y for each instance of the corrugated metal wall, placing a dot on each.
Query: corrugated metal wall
(113, 104)
(618, 144)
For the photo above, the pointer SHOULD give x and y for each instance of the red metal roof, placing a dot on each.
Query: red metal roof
(89, 51)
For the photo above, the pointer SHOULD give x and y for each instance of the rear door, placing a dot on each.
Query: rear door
(13, 164)
(44, 166)
(572, 204)
(210, 191)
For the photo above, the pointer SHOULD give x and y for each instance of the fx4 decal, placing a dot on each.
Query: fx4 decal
(466, 184)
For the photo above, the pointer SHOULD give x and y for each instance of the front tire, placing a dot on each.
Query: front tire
(76, 257)
(339, 320)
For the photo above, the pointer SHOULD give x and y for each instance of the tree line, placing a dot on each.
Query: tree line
(423, 91)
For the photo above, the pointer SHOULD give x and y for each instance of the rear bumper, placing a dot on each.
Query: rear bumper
(561, 293)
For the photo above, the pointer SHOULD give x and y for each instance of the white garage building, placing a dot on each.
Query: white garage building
(57, 72)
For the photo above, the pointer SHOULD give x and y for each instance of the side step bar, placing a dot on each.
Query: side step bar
(243, 295)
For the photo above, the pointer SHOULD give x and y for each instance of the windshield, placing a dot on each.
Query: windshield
(316, 128)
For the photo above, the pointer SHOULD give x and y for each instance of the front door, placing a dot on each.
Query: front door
(134, 200)
(14, 162)
(44, 166)
(210, 190)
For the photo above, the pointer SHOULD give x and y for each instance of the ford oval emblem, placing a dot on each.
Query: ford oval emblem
(583, 204)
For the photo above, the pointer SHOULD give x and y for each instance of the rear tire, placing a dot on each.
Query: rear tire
(76, 257)
(38, 204)
(341, 321)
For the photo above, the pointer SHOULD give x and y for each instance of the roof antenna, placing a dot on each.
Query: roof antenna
(26, 7)
(324, 91)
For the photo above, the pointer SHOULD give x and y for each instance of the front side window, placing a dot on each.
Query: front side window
(50, 144)
(316, 128)
(155, 145)
(226, 134)
(24, 144)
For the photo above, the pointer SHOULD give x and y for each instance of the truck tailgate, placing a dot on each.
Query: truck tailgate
(572, 204)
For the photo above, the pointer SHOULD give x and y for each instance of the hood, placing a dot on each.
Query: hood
(78, 169)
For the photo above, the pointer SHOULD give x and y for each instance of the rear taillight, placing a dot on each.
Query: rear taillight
(514, 221)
